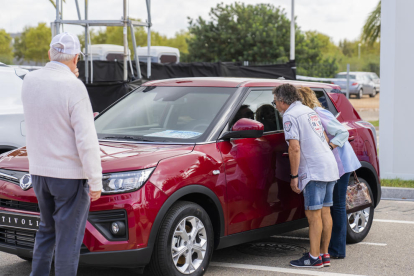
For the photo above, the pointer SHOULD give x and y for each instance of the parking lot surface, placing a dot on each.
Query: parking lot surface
(387, 250)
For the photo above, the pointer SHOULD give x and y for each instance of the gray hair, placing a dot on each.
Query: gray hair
(55, 55)
(287, 93)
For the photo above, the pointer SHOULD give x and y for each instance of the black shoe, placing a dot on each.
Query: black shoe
(308, 261)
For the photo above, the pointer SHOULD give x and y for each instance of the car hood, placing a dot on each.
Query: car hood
(116, 157)
(13, 109)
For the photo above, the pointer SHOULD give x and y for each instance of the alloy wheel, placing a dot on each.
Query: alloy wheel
(358, 221)
(189, 245)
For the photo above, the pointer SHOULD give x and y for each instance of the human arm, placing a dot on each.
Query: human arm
(294, 158)
(334, 128)
(292, 136)
(87, 144)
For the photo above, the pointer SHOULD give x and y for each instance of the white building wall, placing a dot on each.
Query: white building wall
(396, 149)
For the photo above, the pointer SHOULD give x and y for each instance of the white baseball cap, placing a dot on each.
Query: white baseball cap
(70, 43)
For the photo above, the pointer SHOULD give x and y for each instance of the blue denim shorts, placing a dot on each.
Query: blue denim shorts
(318, 194)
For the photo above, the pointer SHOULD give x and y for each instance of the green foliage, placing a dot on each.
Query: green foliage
(33, 44)
(397, 183)
(6, 51)
(372, 28)
(258, 34)
(375, 123)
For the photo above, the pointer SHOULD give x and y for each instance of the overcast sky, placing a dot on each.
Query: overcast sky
(337, 18)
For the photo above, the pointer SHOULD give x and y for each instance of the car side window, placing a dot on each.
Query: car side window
(325, 101)
(258, 106)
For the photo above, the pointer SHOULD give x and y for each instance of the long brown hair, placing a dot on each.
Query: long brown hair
(309, 97)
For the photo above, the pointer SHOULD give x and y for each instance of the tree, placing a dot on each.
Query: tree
(33, 44)
(372, 28)
(256, 33)
(6, 51)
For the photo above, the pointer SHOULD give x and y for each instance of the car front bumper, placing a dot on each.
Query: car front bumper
(125, 258)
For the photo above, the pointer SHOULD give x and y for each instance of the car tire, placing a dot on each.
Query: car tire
(360, 93)
(192, 219)
(359, 223)
(374, 93)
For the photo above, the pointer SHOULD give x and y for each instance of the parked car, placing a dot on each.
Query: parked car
(360, 83)
(190, 165)
(11, 108)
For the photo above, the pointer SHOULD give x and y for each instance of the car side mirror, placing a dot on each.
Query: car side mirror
(244, 128)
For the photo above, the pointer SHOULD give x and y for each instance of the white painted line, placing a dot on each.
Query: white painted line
(306, 239)
(373, 243)
(394, 221)
(280, 269)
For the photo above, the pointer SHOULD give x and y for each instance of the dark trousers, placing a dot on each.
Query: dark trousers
(337, 246)
(64, 207)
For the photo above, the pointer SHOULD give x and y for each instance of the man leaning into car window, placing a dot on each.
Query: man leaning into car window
(63, 152)
(313, 171)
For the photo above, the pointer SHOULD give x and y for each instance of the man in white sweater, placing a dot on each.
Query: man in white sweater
(64, 156)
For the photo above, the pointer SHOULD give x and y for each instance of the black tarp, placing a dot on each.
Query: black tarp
(112, 71)
(108, 85)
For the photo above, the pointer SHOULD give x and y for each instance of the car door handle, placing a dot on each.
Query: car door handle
(351, 138)
(285, 154)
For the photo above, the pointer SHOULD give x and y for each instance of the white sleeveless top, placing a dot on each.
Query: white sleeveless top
(317, 162)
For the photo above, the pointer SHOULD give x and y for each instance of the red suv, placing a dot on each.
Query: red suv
(190, 165)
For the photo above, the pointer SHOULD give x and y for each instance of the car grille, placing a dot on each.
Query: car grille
(19, 205)
(24, 238)
(21, 238)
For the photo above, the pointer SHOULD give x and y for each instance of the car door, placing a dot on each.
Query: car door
(258, 170)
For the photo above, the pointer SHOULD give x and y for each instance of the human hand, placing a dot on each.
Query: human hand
(76, 72)
(294, 185)
(94, 195)
(333, 145)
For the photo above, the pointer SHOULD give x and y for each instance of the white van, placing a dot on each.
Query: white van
(159, 54)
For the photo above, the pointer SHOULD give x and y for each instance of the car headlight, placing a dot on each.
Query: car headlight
(125, 182)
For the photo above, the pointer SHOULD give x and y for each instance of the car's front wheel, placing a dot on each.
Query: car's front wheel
(359, 223)
(185, 242)
(360, 93)
(374, 93)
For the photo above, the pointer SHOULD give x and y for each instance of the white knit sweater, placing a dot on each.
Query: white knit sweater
(61, 139)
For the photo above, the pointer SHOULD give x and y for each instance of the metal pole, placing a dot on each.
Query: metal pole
(359, 50)
(57, 25)
(61, 15)
(149, 39)
(347, 81)
(86, 43)
(134, 44)
(125, 42)
(77, 9)
(292, 32)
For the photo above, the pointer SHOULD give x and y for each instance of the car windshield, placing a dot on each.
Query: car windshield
(343, 76)
(166, 114)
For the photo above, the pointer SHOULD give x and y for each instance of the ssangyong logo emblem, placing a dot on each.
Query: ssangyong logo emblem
(26, 182)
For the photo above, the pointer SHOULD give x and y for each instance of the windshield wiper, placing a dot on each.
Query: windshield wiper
(127, 138)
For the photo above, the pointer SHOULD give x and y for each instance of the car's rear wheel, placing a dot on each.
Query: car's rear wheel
(360, 93)
(185, 242)
(359, 223)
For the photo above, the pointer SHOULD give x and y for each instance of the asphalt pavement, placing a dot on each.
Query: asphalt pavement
(387, 250)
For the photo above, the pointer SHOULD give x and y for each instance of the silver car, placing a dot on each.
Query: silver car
(11, 109)
(360, 83)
